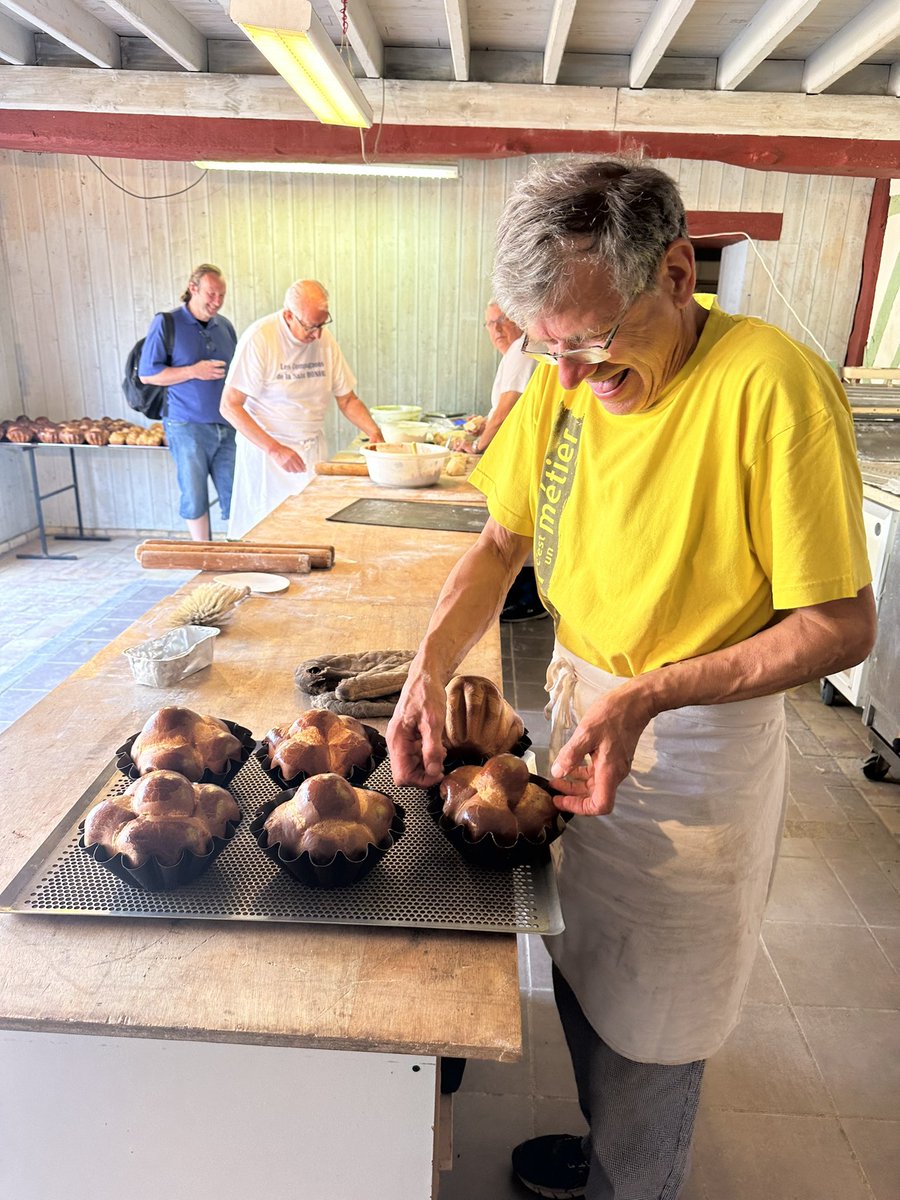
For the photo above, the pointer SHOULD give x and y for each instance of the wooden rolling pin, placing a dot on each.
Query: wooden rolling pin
(320, 557)
(290, 562)
(341, 468)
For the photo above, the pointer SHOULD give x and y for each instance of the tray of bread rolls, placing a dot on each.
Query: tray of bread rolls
(422, 881)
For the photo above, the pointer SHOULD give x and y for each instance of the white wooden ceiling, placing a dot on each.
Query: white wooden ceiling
(54, 53)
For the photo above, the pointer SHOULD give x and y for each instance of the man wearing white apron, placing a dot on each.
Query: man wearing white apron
(688, 482)
(285, 371)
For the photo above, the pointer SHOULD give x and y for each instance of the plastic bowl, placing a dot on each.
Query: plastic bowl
(405, 464)
(387, 414)
(407, 431)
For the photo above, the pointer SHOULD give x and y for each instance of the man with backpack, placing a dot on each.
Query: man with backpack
(189, 359)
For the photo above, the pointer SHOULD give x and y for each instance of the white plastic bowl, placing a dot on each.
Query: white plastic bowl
(406, 431)
(405, 464)
(388, 414)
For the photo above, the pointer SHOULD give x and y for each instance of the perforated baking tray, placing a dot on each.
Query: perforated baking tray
(422, 882)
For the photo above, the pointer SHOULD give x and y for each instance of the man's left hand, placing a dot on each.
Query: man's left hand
(377, 436)
(606, 736)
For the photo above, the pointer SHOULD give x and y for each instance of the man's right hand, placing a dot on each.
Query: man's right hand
(416, 729)
(210, 368)
(286, 458)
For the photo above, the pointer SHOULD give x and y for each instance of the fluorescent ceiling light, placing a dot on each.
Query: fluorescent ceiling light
(405, 170)
(294, 41)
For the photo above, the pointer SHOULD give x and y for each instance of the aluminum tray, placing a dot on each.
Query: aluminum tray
(421, 883)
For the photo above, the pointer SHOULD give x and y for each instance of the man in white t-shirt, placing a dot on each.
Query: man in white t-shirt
(515, 369)
(285, 370)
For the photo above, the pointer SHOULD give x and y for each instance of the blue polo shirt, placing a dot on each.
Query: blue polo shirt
(195, 399)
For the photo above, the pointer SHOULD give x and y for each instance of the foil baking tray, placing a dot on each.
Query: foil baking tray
(421, 883)
(166, 660)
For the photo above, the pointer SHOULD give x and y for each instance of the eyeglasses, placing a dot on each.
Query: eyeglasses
(586, 355)
(312, 328)
(496, 321)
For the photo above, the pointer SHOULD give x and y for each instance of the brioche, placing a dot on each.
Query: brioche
(161, 816)
(479, 720)
(318, 741)
(177, 739)
(327, 815)
(498, 798)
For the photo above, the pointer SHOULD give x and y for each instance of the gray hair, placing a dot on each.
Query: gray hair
(298, 293)
(196, 275)
(614, 213)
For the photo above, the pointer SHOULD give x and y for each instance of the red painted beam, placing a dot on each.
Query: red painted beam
(719, 229)
(181, 139)
(872, 248)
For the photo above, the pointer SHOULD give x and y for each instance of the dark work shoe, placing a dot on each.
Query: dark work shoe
(554, 1165)
(531, 611)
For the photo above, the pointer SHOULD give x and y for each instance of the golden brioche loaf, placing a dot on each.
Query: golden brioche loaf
(498, 798)
(319, 741)
(327, 814)
(177, 739)
(161, 815)
(479, 720)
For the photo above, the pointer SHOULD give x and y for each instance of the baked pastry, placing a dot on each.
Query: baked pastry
(479, 720)
(161, 815)
(71, 435)
(20, 433)
(318, 741)
(327, 815)
(97, 435)
(497, 798)
(177, 739)
(48, 433)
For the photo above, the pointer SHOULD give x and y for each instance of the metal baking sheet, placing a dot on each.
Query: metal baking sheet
(421, 883)
(415, 514)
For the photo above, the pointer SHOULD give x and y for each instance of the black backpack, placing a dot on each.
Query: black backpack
(148, 398)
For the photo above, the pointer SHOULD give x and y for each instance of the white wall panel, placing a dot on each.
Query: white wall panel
(407, 264)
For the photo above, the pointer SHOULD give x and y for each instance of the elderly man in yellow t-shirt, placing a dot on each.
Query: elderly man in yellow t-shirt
(687, 480)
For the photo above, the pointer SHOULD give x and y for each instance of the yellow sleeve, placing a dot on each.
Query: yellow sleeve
(805, 510)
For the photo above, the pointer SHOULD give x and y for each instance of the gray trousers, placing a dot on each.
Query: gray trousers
(641, 1115)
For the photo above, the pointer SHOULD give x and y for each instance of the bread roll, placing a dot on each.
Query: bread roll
(327, 815)
(319, 741)
(479, 720)
(177, 739)
(498, 798)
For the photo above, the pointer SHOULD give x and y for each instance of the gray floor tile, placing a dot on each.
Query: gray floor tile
(797, 844)
(888, 938)
(558, 1116)
(835, 966)
(870, 890)
(485, 1129)
(766, 1067)
(853, 1050)
(758, 1156)
(764, 986)
(882, 845)
(806, 890)
(551, 1065)
(877, 1146)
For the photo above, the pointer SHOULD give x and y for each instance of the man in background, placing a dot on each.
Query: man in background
(286, 369)
(201, 441)
(513, 373)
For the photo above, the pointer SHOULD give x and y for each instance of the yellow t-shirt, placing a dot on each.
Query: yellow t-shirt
(669, 533)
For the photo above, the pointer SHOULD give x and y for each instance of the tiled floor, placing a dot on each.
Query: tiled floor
(802, 1102)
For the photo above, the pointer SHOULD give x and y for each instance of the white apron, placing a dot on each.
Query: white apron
(260, 484)
(663, 898)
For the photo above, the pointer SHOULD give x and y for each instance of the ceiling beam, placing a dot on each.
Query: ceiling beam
(163, 24)
(71, 25)
(859, 39)
(363, 35)
(557, 36)
(180, 139)
(458, 29)
(756, 41)
(662, 25)
(16, 42)
(413, 102)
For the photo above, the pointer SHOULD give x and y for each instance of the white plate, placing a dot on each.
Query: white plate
(256, 581)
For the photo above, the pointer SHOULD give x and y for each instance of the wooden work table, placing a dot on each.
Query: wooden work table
(400, 992)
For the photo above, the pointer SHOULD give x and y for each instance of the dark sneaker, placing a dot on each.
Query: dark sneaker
(523, 612)
(554, 1165)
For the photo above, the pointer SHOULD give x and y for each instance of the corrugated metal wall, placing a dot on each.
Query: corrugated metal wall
(407, 264)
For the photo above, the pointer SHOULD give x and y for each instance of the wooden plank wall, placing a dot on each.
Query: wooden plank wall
(883, 343)
(407, 264)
